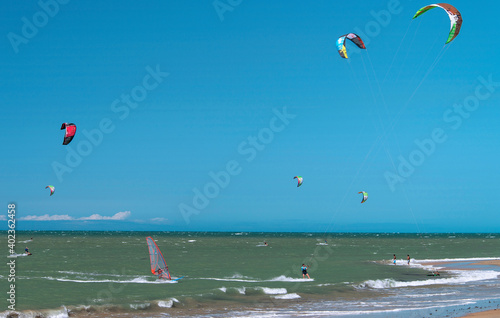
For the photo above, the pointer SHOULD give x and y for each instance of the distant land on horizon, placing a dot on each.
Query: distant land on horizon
(273, 227)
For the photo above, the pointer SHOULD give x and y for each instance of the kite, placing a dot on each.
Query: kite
(365, 196)
(51, 189)
(453, 13)
(354, 38)
(299, 180)
(70, 132)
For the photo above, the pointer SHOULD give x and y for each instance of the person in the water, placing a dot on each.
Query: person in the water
(304, 271)
(26, 250)
(394, 259)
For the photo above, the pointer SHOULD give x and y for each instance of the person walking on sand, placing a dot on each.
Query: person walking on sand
(408, 258)
(304, 271)
(394, 259)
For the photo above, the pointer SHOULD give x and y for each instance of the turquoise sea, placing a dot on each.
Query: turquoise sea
(228, 274)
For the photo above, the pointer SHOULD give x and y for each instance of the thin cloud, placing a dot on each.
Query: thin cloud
(118, 216)
(47, 217)
(64, 217)
(152, 221)
(3, 218)
(159, 220)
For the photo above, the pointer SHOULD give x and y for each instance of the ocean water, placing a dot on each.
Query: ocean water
(107, 274)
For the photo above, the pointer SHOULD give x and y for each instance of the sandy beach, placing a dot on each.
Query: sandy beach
(490, 262)
(484, 314)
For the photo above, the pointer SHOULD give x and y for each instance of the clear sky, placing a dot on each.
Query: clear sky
(197, 115)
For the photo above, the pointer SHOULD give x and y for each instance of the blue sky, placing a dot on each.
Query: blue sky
(167, 93)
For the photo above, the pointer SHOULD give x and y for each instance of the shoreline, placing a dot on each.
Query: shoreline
(189, 307)
(490, 313)
(448, 265)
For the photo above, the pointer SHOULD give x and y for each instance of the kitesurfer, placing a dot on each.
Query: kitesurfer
(265, 243)
(27, 251)
(304, 271)
(408, 258)
(394, 259)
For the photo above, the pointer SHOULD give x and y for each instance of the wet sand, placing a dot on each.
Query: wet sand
(494, 313)
(484, 314)
(492, 262)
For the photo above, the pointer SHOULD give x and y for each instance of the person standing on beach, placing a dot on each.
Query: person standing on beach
(304, 271)
(394, 259)
(408, 258)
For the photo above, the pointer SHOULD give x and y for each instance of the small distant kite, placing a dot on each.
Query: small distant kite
(453, 13)
(299, 180)
(70, 132)
(354, 38)
(365, 196)
(51, 189)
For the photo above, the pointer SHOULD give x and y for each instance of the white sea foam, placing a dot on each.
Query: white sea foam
(140, 306)
(475, 259)
(241, 290)
(62, 313)
(273, 291)
(460, 278)
(233, 280)
(287, 296)
(283, 278)
(223, 289)
(89, 274)
(245, 279)
(191, 241)
(16, 255)
(169, 303)
(423, 262)
(137, 280)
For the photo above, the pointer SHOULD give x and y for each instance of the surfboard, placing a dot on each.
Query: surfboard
(178, 278)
